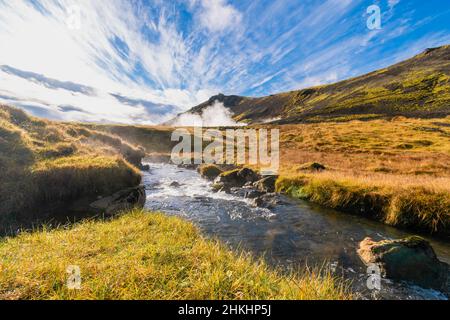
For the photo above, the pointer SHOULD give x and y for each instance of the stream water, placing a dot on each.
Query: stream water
(292, 235)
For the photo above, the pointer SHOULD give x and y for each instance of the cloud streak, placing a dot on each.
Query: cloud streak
(145, 61)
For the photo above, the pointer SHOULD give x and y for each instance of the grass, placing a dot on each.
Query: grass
(45, 163)
(395, 171)
(416, 207)
(146, 256)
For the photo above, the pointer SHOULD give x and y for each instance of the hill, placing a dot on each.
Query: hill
(418, 87)
(48, 166)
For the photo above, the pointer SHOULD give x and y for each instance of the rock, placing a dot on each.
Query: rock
(257, 202)
(248, 175)
(312, 166)
(188, 166)
(145, 167)
(252, 194)
(120, 201)
(268, 201)
(266, 184)
(411, 259)
(209, 171)
(237, 177)
(175, 184)
(220, 187)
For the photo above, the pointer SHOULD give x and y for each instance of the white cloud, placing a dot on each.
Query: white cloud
(393, 3)
(217, 15)
(41, 42)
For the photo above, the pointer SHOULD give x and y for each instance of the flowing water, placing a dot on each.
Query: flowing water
(292, 235)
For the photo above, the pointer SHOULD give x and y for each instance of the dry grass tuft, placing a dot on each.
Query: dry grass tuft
(146, 256)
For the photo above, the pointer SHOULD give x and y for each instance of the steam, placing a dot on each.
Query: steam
(215, 115)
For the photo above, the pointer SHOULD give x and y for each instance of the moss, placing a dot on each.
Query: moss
(209, 171)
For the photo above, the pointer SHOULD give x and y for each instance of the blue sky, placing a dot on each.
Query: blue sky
(144, 61)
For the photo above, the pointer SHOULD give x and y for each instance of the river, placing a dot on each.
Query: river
(290, 236)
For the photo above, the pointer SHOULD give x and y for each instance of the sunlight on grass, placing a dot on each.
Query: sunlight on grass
(145, 256)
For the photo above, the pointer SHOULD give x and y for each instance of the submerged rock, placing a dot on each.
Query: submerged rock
(266, 184)
(145, 167)
(120, 201)
(175, 184)
(267, 200)
(411, 259)
(252, 194)
(188, 166)
(237, 178)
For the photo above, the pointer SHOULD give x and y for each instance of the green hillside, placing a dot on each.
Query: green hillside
(418, 87)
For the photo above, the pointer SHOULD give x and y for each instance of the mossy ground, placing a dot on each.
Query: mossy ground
(146, 256)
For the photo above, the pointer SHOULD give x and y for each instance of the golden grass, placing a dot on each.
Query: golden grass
(395, 202)
(146, 256)
(44, 162)
(395, 171)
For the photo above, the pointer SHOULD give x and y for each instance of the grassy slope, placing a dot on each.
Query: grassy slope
(145, 256)
(394, 171)
(416, 87)
(43, 163)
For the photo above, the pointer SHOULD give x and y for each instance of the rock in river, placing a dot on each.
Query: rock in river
(120, 201)
(266, 184)
(236, 178)
(411, 259)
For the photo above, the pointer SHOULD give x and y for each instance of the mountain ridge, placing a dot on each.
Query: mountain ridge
(416, 87)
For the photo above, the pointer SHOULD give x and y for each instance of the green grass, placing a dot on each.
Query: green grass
(146, 256)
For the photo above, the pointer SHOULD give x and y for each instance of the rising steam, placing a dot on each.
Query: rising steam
(215, 115)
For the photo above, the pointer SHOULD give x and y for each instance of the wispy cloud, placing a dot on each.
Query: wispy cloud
(145, 61)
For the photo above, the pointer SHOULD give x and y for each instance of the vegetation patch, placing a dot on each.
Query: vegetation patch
(416, 208)
(47, 164)
(146, 256)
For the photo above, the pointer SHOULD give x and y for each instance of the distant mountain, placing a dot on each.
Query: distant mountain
(417, 87)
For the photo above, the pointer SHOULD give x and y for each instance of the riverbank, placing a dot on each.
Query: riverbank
(142, 255)
(413, 207)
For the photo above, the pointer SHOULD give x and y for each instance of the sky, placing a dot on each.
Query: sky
(142, 62)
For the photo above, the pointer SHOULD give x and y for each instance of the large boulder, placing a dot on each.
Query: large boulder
(236, 178)
(121, 201)
(209, 171)
(267, 200)
(266, 184)
(411, 259)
